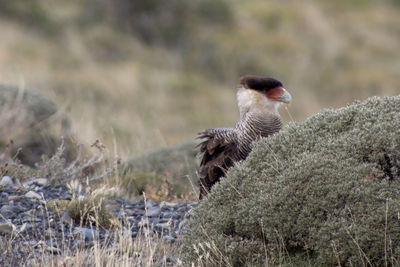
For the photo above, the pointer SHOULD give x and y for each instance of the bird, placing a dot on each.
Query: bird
(258, 100)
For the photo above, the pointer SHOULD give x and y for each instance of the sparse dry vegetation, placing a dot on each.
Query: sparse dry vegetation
(143, 251)
(118, 250)
(87, 208)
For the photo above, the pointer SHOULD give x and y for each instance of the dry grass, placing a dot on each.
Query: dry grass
(143, 251)
(87, 208)
(114, 86)
(119, 249)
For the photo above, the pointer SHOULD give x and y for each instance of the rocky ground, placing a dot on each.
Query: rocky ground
(27, 225)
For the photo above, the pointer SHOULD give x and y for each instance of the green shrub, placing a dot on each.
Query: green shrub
(326, 191)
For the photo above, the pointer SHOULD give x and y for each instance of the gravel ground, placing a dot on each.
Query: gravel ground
(26, 222)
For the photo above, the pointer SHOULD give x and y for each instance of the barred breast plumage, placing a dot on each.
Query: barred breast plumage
(258, 99)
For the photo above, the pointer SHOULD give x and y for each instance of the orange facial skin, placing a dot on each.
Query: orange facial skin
(275, 93)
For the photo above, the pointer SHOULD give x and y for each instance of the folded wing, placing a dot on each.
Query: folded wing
(219, 152)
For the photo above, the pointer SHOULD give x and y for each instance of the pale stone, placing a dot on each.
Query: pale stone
(33, 194)
(6, 228)
(37, 181)
(6, 181)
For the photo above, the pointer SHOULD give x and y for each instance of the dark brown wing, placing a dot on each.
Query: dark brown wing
(218, 155)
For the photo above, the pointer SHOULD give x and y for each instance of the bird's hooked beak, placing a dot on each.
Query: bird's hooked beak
(279, 94)
(285, 97)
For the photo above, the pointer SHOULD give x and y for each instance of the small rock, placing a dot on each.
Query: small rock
(165, 225)
(139, 211)
(67, 195)
(6, 181)
(167, 215)
(49, 232)
(33, 194)
(169, 204)
(7, 211)
(169, 238)
(13, 197)
(86, 233)
(28, 227)
(153, 211)
(151, 203)
(130, 219)
(6, 228)
(41, 181)
(39, 244)
(53, 250)
(65, 218)
(129, 212)
(30, 243)
(37, 181)
(26, 219)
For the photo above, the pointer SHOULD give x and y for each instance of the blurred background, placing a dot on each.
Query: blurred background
(148, 74)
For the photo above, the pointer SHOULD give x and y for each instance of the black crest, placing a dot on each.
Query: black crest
(259, 83)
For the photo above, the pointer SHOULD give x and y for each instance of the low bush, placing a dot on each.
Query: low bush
(323, 192)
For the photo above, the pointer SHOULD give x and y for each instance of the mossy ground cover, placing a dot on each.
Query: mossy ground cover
(325, 191)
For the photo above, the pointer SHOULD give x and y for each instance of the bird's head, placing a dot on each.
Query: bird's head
(261, 95)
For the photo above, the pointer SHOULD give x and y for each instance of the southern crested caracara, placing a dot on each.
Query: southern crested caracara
(258, 101)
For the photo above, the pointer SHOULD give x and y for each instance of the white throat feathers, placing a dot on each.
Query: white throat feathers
(256, 102)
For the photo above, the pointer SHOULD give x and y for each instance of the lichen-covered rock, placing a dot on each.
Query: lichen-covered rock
(33, 123)
(323, 192)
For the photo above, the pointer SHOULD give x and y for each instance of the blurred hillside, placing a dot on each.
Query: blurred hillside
(152, 74)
